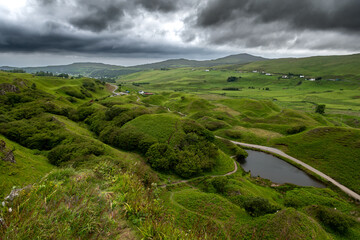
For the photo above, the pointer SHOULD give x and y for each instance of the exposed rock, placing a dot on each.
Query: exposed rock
(6, 87)
(2, 145)
(8, 155)
(14, 193)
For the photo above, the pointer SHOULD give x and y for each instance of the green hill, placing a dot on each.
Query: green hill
(332, 67)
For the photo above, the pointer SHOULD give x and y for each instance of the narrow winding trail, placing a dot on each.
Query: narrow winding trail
(213, 176)
(308, 167)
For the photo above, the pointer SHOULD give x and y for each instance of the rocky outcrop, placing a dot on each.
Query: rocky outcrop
(6, 154)
(7, 87)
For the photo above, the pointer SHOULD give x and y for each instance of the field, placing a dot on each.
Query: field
(295, 93)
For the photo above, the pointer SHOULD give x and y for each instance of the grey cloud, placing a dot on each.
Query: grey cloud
(21, 40)
(304, 14)
(98, 18)
(159, 5)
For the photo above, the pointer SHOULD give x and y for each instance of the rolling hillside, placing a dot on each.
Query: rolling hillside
(105, 70)
(346, 67)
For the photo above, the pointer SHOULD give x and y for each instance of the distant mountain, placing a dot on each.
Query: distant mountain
(105, 70)
(229, 60)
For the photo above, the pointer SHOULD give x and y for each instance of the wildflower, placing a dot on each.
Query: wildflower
(3, 204)
(10, 209)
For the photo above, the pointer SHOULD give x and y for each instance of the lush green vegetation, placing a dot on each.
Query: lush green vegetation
(93, 163)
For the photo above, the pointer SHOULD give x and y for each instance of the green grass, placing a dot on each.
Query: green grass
(328, 66)
(30, 166)
(208, 204)
(160, 126)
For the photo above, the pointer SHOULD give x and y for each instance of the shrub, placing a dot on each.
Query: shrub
(233, 134)
(74, 150)
(146, 143)
(114, 111)
(72, 92)
(296, 129)
(320, 109)
(190, 126)
(257, 206)
(334, 219)
(220, 183)
(188, 164)
(161, 156)
(232, 79)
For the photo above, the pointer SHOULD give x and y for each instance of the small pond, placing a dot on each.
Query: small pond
(277, 170)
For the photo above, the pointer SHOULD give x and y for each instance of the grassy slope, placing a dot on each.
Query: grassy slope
(328, 66)
(30, 166)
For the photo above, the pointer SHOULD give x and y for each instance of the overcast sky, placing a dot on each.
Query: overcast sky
(129, 32)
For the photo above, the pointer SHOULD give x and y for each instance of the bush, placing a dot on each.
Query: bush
(232, 79)
(160, 156)
(73, 92)
(233, 134)
(74, 150)
(188, 164)
(320, 109)
(146, 143)
(257, 206)
(334, 219)
(296, 129)
(114, 111)
(190, 126)
(220, 183)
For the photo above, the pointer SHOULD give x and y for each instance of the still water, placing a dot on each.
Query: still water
(277, 170)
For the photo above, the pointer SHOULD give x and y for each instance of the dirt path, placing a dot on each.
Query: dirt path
(308, 167)
(115, 88)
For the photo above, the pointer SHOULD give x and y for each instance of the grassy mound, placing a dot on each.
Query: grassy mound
(160, 126)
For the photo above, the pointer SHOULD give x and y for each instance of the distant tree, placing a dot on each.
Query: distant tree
(33, 86)
(320, 109)
(232, 79)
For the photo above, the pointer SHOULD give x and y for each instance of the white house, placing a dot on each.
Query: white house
(207, 70)
(302, 76)
(268, 74)
(285, 76)
(312, 79)
(141, 92)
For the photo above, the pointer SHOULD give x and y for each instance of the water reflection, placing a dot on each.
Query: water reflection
(277, 170)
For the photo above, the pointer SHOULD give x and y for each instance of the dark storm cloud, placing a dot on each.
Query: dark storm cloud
(304, 14)
(21, 40)
(168, 27)
(98, 17)
(159, 5)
